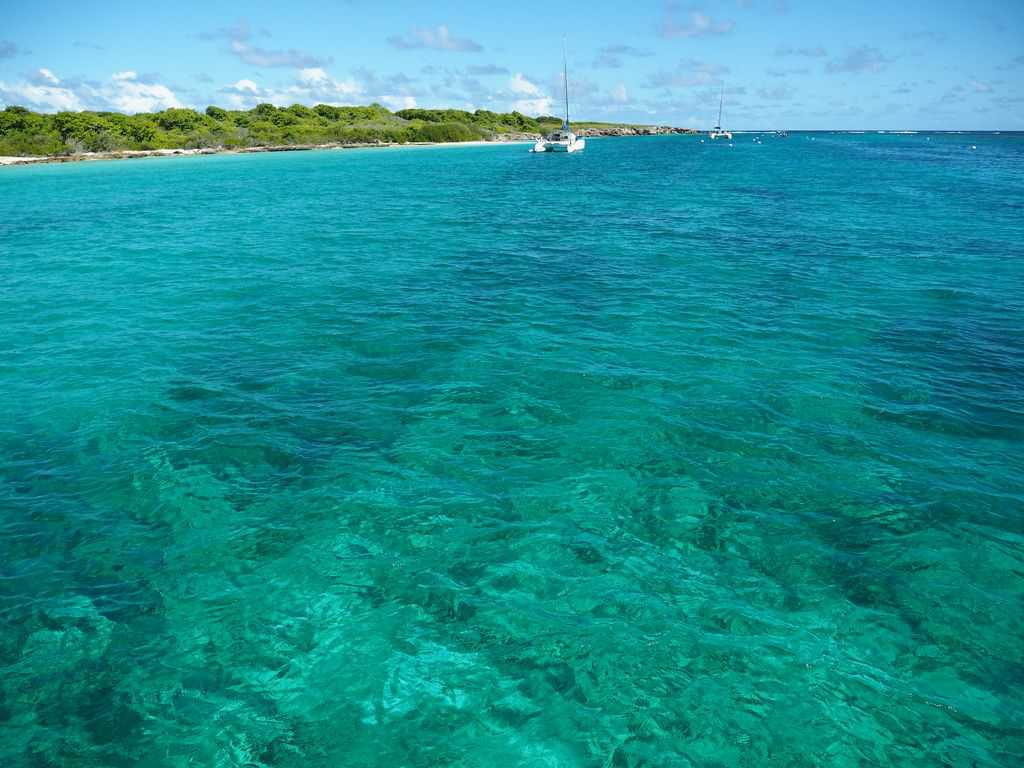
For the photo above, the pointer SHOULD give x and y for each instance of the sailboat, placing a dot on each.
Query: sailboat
(717, 132)
(562, 140)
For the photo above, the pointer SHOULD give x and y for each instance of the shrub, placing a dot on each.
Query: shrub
(177, 119)
(444, 132)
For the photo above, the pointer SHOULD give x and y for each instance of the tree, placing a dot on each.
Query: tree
(141, 131)
(14, 119)
(177, 119)
(327, 112)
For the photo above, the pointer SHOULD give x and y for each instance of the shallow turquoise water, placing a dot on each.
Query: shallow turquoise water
(666, 454)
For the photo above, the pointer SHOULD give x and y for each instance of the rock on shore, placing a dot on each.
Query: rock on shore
(634, 130)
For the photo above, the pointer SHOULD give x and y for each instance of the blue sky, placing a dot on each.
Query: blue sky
(916, 64)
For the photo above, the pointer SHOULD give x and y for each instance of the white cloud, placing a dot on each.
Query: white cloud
(439, 39)
(313, 85)
(312, 75)
(46, 98)
(245, 94)
(519, 84)
(696, 24)
(263, 57)
(123, 92)
(129, 95)
(321, 87)
(396, 103)
(619, 93)
(534, 107)
(239, 37)
(528, 97)
(246, 85)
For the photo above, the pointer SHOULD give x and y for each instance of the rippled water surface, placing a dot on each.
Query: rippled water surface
(665, 454)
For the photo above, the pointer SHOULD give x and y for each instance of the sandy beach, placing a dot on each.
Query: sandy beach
(8, 160)
(4, 160)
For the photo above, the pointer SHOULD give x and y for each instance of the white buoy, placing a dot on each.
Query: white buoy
(974, 146)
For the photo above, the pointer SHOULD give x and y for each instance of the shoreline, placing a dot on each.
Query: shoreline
(141, 154)
(515, 138)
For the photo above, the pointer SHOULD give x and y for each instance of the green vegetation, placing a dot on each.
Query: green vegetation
(30, 133)
(482, 119)
(548, 123)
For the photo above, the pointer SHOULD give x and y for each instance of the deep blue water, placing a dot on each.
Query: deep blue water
(664, 454)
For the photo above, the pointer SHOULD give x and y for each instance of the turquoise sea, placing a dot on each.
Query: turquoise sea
(666, 454)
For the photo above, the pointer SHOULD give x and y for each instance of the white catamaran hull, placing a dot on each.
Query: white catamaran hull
(565, 146)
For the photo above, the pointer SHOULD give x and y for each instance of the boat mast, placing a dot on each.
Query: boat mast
(721, 98)
(565, 81)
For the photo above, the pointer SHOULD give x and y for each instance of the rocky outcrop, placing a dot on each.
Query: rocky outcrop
(633, 130)
(515, 137)
(603, 130)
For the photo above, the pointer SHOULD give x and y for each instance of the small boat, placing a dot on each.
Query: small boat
(717, 132)
(562, 140)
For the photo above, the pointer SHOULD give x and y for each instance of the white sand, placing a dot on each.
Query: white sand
(140, 153)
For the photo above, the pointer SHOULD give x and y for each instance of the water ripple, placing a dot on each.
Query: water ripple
(662, 454)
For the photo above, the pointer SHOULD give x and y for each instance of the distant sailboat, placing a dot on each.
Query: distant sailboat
(718, 133)
(562, 140)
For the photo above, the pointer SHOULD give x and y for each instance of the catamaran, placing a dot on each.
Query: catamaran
(717, 132)
(562, 140)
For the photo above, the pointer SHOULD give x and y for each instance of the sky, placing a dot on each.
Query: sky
(794, 64)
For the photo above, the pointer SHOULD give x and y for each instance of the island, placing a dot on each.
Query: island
(33, 137)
